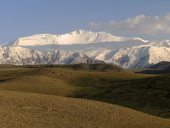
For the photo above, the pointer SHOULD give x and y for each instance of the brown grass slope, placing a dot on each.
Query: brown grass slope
(30, 110)
(29, 98)
(55, 80)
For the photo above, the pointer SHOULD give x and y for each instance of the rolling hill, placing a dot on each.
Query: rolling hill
(142, 92)
(159, 68)
(35, 110)
(82, 95)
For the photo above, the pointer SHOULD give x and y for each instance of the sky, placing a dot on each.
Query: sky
(149, 19)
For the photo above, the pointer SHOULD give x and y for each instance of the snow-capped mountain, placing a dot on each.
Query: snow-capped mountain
(84, 47)
(75, 37)
(24, 56)
(134, 57)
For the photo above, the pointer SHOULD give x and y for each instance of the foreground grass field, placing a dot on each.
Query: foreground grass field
(22, 110)
(41, 86)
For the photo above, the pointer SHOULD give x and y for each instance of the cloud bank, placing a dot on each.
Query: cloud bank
(157, 27)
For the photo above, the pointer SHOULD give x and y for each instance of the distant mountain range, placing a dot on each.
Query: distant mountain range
(83, 46)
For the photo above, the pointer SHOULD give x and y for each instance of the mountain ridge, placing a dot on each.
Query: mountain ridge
(75, 37)
(82, 46)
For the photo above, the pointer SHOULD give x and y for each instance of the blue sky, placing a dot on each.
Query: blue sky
(26, 17)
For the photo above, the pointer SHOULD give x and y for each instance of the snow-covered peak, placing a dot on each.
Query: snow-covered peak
(134, 56)
(76, 37)
(34, 40)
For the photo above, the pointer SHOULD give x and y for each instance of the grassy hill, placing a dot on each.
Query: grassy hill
(47, 111)
(142, 92)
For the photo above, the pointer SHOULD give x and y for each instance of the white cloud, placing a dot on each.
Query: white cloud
(157, 27)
